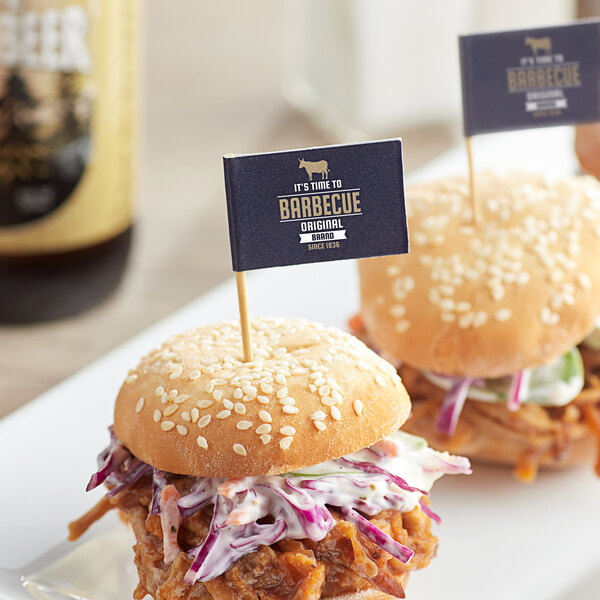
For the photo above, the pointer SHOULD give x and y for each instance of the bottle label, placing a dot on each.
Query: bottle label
(68, 85)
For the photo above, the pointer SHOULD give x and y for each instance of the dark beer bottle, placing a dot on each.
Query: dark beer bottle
(68, 102)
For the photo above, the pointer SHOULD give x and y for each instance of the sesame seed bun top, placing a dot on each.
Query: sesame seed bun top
(515, 290)
(310, 395)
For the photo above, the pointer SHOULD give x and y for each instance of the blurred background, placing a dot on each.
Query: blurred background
(223, 76)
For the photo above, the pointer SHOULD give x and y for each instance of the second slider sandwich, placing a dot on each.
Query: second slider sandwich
(282, 478)
(487, 321)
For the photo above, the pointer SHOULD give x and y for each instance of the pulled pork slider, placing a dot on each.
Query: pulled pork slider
(486, 322)
(280, 478)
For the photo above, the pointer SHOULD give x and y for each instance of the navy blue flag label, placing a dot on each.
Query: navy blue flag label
(530, 78)
(316, 204)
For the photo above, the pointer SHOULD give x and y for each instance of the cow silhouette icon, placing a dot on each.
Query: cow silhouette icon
(319, 166)
(537, 44)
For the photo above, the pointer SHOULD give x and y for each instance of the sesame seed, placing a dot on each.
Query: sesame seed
(181, 430)
(402, 326)
(265, 416)
(217, 395)
(584, 281)
(480, 318)
(328, 401)
(266, 388)
(228, 404)
(243, 425)
(131, 378)
(398, 311)
(466, 320)
(335, 413)
(171, 409)
(497, 293)
(556, 275)
(379, 380)
(358, 407)
(447, 304)
(320, 425)
(556, 301)
(173, 394)
(548, 317)
(434, 295)
(164, 398)
(250, 392)
(186, 417)
(160, 390)
(318, 415)
(279, 378)
(201, 441)
(265, 438)
(176, 372)
(503, 314)
(263, 399)
(324, 390)
(463, 306)
(337, 397)
(287, 430)
(204, 403)
(237, 394)
(320, 381)
(239, 449)
(290, 410)
(167, 425)
(181, 399)
(139, 405)
(286, 442)
(264, 428)
(448, 317)
(204, 421)
(239, 408)
(223, 414)
(157, 416)
(209, 387)
(195, 415)
(287, 400)
(282, 393)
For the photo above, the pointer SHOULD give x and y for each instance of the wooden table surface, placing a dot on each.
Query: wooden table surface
(212, 87)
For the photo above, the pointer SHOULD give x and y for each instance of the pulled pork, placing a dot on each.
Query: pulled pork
(344, 561)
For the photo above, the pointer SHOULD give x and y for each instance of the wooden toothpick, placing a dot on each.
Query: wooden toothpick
(474, 198)
(240, 280)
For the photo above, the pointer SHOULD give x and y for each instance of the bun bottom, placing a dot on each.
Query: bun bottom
(527, 439)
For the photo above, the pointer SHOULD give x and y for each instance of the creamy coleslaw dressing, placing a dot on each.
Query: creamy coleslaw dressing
(547, 385)
(298, 503)
(393, 474)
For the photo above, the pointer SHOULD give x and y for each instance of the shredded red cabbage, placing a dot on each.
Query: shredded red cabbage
(108, 461)
(429, 512)
(159, 482)
(372, 468)
(453, 405)
(517, 390)
(383, 540)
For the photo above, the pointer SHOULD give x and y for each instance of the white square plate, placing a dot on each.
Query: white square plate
(499, 538)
